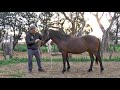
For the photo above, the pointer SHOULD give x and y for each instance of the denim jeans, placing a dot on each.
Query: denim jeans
(36, 53)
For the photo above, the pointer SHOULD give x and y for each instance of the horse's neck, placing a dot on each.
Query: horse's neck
(56, 41)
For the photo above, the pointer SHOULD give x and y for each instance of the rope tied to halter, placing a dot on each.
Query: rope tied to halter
(50, 53)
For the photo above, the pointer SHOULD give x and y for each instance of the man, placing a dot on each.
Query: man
(32, 39)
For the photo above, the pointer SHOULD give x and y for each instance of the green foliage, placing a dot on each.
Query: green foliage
(117, 48)
(0, 49)
(23, 48)
(43, 49)
(55, 48)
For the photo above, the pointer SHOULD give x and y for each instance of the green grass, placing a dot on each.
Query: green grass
(24, 60)
(117, 47)
(21, 48)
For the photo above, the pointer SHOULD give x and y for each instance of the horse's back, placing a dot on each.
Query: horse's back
(92, 42)
(83, 43)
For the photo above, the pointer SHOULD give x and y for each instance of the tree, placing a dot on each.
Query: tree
(45, 19)
(106, 32)
(77, 21)
(115, 30)
(87, 29)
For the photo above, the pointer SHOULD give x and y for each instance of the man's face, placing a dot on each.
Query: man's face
(33, 31)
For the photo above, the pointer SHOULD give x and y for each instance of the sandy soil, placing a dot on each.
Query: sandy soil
(78, 69)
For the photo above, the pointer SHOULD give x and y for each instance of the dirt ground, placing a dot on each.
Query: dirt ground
(78, 69)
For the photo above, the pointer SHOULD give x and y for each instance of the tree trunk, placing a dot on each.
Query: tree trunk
(11, 47)
(116, 39)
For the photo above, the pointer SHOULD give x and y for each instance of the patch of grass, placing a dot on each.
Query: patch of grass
(112, 59)
(117, 47)
(16, 75)
(12, 61)
(43, 49)
(24, 60)
(21, 48)
(0, 49)
(2, 71)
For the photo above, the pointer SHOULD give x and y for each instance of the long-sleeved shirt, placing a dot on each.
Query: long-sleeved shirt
(30, 40)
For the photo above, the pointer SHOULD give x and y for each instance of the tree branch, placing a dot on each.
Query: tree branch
(113, 19)
(101, 15)
(66, 17)
(99, 23)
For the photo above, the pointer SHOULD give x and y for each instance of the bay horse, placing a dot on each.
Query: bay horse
(75, 45)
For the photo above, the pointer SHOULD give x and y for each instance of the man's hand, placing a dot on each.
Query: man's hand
(37, 40)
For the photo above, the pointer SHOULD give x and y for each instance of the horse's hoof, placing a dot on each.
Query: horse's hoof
(101, 70)
(89, 70)
(68, 69)
(63, 71)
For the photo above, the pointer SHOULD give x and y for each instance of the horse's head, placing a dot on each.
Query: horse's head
(45, 36)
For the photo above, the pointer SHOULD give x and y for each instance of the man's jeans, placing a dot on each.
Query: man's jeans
(30, 57)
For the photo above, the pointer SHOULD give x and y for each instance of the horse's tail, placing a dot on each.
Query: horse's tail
(99, 50)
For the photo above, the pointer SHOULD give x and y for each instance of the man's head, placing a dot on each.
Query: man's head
(33, 29)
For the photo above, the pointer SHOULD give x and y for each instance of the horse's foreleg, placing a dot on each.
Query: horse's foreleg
(67, 59)
(64, 62)
(64, 66)
(92, 60)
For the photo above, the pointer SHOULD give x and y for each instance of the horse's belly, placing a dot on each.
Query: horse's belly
(76, 50)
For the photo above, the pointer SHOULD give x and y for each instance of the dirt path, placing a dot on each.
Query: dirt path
(78, 70)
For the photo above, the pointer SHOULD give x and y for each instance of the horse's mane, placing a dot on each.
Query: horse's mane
(59, 35)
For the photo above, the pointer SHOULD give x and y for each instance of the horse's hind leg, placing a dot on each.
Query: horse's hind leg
(100, 61)
(96, 61)
(92, 60)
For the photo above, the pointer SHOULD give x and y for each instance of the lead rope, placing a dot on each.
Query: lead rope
(50, 53)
